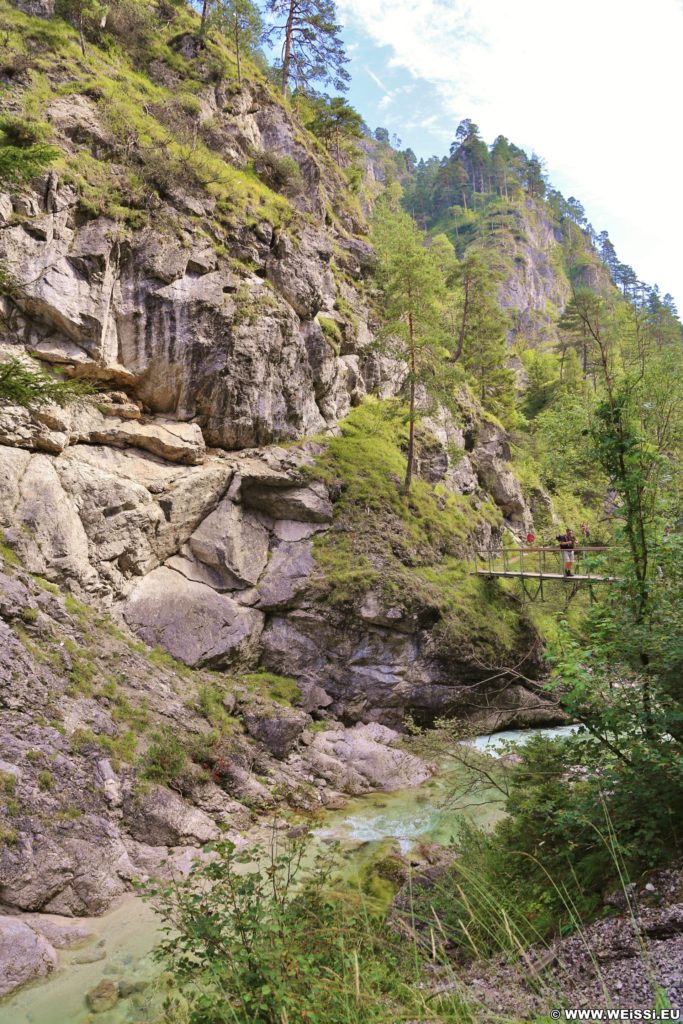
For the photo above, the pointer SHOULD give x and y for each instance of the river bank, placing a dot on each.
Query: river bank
(122, 940)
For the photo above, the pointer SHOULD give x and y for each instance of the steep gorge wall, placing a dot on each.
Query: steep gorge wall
(182, 504)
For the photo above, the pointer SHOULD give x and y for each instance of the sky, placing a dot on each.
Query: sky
(593, 87)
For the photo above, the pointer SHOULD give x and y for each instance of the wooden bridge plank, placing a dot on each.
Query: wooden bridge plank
(510, 574)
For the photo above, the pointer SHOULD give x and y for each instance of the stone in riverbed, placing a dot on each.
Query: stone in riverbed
(104, 996)
(363, 758)
(61, 932)
(91, 956)
(128, 987)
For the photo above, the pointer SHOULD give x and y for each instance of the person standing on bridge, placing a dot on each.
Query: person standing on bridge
(567, 543)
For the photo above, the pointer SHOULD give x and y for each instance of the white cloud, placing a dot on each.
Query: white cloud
(593, 86)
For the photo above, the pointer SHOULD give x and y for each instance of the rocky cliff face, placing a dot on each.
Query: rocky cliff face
(538, 262)
(235, 349)
(183, 506)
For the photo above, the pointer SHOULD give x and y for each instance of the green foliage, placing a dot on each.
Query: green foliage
(165, 760)
(414, 330)
(281, 689)
(310, 40)
(334, 122)
(23, 133)
(408, 547)
(280, 173)
(330, 329)
(241, 22)
(482, 339)
(8, 835)
(122, 747)
(255, 938)
(86, 15)
(24, 385)
(593, 810)
(46, 779)
(211, 697)
(24, 150)
(8, 783)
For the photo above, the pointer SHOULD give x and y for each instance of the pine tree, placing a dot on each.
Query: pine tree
(312, 48)
(239, 20)
(481, 339)
(412, 293)
(85, 15)
(336, 121)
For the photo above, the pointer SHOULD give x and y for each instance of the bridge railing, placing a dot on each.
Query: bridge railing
(590, 561)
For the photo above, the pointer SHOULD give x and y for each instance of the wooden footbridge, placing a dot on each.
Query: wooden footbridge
(536, 566)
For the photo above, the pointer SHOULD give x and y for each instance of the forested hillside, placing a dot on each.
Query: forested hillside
(271, 389)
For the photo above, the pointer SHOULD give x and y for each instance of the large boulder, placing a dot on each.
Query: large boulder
(287, 575)
(363, 758)
(232, 542)
(307, 504)
(278, 728)
(24, 954)
(98, 516)
(504, 488)
(75, 874)
(191, 621)
(161, 817)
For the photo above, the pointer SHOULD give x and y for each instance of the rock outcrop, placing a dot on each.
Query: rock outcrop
(170, 660)
(24, 954)
(115, 759)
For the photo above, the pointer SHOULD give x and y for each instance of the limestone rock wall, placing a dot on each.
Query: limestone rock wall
(211, 556)
(211, 326)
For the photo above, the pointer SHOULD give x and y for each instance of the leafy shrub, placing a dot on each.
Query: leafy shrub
(131, 21)
(19, 164)
(24, 150)
(23, 132)
(46, 779)
(8, 835)
(255, 938)
(281, 173)
(8, 783)
(24, 385)
(330, 329)
(165, 760)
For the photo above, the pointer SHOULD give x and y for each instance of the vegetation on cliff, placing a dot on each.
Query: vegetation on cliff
(578, 390)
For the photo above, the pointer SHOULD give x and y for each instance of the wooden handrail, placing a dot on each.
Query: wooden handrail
(555, 547)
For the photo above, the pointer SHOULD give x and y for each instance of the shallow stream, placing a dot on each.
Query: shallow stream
(125, 936)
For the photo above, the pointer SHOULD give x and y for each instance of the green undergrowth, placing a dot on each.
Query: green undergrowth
(412, 549)
(280, 689)
(152, 148)
(286, 942)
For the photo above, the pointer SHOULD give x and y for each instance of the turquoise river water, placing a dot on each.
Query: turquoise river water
(125, 936)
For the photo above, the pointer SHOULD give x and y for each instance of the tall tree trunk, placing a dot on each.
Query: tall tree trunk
(287, 48)
(463, 322)
(80, 34)
(205, 13)
(411, 415)
(237, 52)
